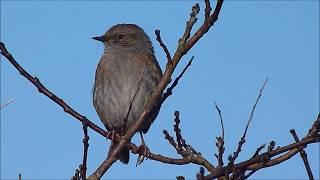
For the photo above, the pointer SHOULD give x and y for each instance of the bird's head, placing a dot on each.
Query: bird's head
(125, 37)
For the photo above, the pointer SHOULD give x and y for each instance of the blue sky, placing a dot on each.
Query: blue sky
(251, 41)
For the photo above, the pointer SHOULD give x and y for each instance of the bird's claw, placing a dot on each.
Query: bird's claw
(144, 153)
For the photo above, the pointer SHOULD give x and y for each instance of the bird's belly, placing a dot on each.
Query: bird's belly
(121, 98)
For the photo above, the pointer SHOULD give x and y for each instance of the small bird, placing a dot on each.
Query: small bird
(125, 77)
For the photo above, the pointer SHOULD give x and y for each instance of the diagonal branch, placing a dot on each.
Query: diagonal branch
(303, 155)
(242, 140)
(164, 47)
(42, 89)
(175, 82)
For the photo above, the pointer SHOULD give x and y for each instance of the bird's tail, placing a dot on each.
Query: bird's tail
(124, 154)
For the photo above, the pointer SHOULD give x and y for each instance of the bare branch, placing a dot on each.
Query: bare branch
(258, 150)
(207, 10)
(177, 130)
(264, 160)
(254, 107)
(164, 47)
(220, 140)
(193, 19)
(175, 82)
(42, 89)
(221, 120)
(205, 26)
(170, 140)
(85, 150)
(303, 155)
(243, 140)
(271, 146)
(188, 153)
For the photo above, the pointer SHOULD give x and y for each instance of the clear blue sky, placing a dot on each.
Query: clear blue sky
(251, 41)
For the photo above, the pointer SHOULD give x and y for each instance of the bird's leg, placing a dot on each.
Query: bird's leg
(111, 135)
(144, 151)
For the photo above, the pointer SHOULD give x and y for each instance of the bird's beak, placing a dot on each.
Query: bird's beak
(102, 38)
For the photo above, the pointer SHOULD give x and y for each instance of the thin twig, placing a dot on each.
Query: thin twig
(243, 140)
(177, 130)
(170, 140)
(193, 19)
(164, 47)
(186, 151)
(207, 10)
(258, 150)
(220, 140)
(207, 24)
(85, 150)
(254, 108)
(7, 103)
(176, 81)
(271, 146)
(181, 147)
(221, 120)
(303, 155)
(200, 175)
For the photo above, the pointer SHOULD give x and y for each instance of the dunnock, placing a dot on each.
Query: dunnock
(125, 78)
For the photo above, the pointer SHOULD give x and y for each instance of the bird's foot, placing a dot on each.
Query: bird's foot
(144, 153)
(143, 150)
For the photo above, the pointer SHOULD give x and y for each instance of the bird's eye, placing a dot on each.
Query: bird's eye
(120, 36)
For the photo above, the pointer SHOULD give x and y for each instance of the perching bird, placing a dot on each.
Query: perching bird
(126, 75)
